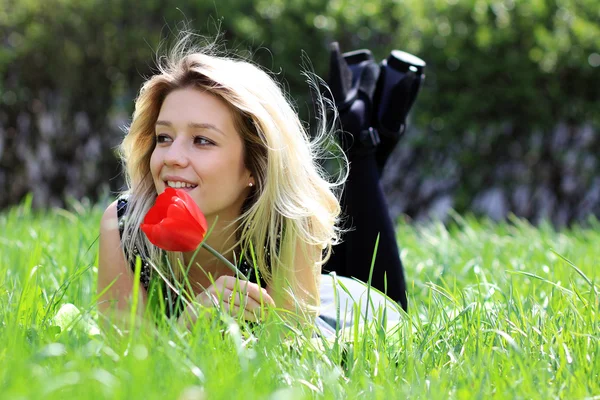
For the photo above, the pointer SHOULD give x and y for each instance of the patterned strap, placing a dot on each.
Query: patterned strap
(146, 270)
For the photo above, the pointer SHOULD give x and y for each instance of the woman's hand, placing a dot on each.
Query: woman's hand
(237, 297)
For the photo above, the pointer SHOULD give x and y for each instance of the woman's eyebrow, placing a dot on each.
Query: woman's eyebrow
(192, 125)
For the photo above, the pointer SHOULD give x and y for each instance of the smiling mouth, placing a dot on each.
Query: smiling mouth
(180, 185)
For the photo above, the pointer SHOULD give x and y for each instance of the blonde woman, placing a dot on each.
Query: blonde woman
(222, 130)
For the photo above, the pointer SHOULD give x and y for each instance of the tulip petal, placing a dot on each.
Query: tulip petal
(193, 209)
(154, 215)
(177, 236)
(157, 236)
(158, 211)
(175, 222)
(192, 212)
(148, 229)
(178, 211)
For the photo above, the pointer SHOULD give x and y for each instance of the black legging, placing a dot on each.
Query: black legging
(364, 205)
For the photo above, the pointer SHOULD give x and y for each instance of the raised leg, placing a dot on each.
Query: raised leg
(366, 209)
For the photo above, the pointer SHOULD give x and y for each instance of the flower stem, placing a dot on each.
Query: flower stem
(215, 253)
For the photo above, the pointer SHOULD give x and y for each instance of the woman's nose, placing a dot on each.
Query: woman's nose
(176, 155)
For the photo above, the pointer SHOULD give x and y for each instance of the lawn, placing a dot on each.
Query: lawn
(503, 310)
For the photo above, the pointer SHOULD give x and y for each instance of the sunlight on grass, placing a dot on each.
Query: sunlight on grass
(508, 309)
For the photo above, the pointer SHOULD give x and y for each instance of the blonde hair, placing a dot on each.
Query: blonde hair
(294, 201)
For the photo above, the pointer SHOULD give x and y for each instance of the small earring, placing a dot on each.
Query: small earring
(251, 184)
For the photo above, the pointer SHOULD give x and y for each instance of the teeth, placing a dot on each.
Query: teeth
(179, 185)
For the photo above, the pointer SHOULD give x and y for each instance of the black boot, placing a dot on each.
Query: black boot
(352, 81)
(401, 75)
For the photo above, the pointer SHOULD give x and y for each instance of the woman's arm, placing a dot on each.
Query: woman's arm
(113, 270)
(304, 279)
(116, 278)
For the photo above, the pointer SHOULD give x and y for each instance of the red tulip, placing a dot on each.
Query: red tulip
(175, 222)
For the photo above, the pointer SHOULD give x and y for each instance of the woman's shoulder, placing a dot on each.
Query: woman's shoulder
(111, 257)
(110, 219)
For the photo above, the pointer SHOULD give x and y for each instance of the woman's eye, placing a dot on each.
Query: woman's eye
(162, 138)
(202, 141)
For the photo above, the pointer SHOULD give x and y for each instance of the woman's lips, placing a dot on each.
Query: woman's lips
(180, 185)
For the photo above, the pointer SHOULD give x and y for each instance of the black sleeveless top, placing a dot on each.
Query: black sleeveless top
(174, 305)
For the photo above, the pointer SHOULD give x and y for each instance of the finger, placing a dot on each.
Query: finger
(248, 304)
(230, 282)
(253, 290)
(259, 294)
(208, 298)
(226, 284)
(246, 287)
(217, 295)
(236, 312)
(242, 300)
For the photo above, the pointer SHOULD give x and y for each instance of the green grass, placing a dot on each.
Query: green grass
(496, 310)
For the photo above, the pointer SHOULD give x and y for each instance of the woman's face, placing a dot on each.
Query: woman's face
(199, 150)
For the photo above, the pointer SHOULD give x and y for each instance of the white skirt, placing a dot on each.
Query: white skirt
(344, 299)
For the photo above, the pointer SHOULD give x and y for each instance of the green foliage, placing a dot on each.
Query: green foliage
(509, 60)
(499, 72)
(494, 310)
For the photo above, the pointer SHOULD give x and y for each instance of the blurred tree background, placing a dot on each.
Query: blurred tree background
(506, 121)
